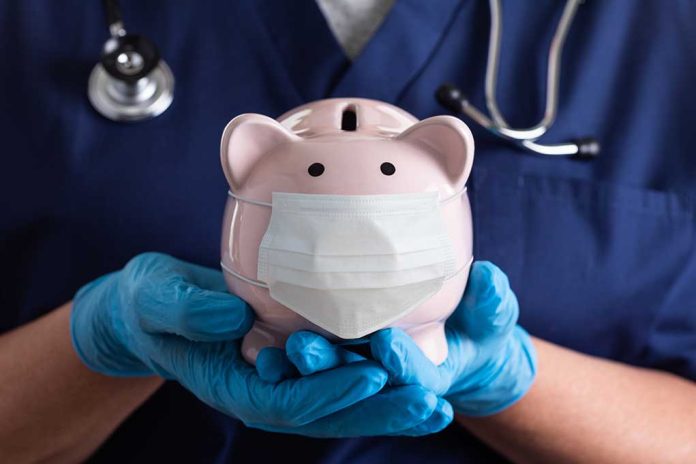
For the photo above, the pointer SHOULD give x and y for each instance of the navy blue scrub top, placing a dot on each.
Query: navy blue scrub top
(601, 253)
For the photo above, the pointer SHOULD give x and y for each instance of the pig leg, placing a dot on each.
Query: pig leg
(259, 337)
(430, 338)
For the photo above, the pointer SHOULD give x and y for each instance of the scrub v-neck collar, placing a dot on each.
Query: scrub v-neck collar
(394, 56)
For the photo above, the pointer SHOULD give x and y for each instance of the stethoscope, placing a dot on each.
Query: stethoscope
(452, 97)
(131, 83)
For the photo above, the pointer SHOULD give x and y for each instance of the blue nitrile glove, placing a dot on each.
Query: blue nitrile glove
(164, 316)
(384, 413)
(491, 361)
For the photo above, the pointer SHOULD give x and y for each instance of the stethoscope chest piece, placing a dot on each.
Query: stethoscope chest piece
(131, 82)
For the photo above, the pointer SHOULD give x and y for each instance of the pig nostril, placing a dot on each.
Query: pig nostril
(316, 169)
(387, 169)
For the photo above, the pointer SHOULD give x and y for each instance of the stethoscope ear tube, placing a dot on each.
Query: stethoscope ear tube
(452, 98)
(112, 14)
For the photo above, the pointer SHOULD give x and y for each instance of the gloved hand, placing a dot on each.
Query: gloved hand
(390, 406)
(164, 316)
(491, 361)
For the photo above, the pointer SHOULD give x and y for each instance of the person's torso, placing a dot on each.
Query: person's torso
(599, 253)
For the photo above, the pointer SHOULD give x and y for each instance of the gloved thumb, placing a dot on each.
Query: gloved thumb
(489, 307)
(176, 297)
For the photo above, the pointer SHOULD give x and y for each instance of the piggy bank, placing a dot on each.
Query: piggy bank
(346, 216)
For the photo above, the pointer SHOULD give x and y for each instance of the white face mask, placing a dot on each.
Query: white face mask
(353, 264)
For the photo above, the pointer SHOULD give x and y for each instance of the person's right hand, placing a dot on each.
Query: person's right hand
(163, 316)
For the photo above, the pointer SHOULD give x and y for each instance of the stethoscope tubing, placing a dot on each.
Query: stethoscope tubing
(119, 97)
(452, 98)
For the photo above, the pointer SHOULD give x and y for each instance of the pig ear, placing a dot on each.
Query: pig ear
(245, 140)
(450, 140)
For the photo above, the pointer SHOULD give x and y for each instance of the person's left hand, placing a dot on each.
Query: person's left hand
(491, 362)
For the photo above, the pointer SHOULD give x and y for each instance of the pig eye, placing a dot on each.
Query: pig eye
(316, 169)
(387, 169)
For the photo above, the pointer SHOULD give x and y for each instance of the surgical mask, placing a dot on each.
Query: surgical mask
(353, 264)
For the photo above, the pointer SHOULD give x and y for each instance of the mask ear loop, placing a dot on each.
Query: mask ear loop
(228, 269)
(248, 280)
(454, 195)
(468, 264)
(248, 200)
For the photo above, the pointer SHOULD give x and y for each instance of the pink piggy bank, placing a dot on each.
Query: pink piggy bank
(346, 216)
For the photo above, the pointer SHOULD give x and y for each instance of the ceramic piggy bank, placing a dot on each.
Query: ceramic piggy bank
(346, 216)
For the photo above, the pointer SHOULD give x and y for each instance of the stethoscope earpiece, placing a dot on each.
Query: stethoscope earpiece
(588, 148)
(131, 82)
(450, 96)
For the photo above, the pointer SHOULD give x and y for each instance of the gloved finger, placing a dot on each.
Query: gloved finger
(440, 418)
(273, 365)
(181, 308)
(405, 362)
(159, 266)
(204, 277)
(168, 302)
(197, 366)
(489, 307)
(310, 353)
(306, 399)
(388, 413)
(216, 374)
